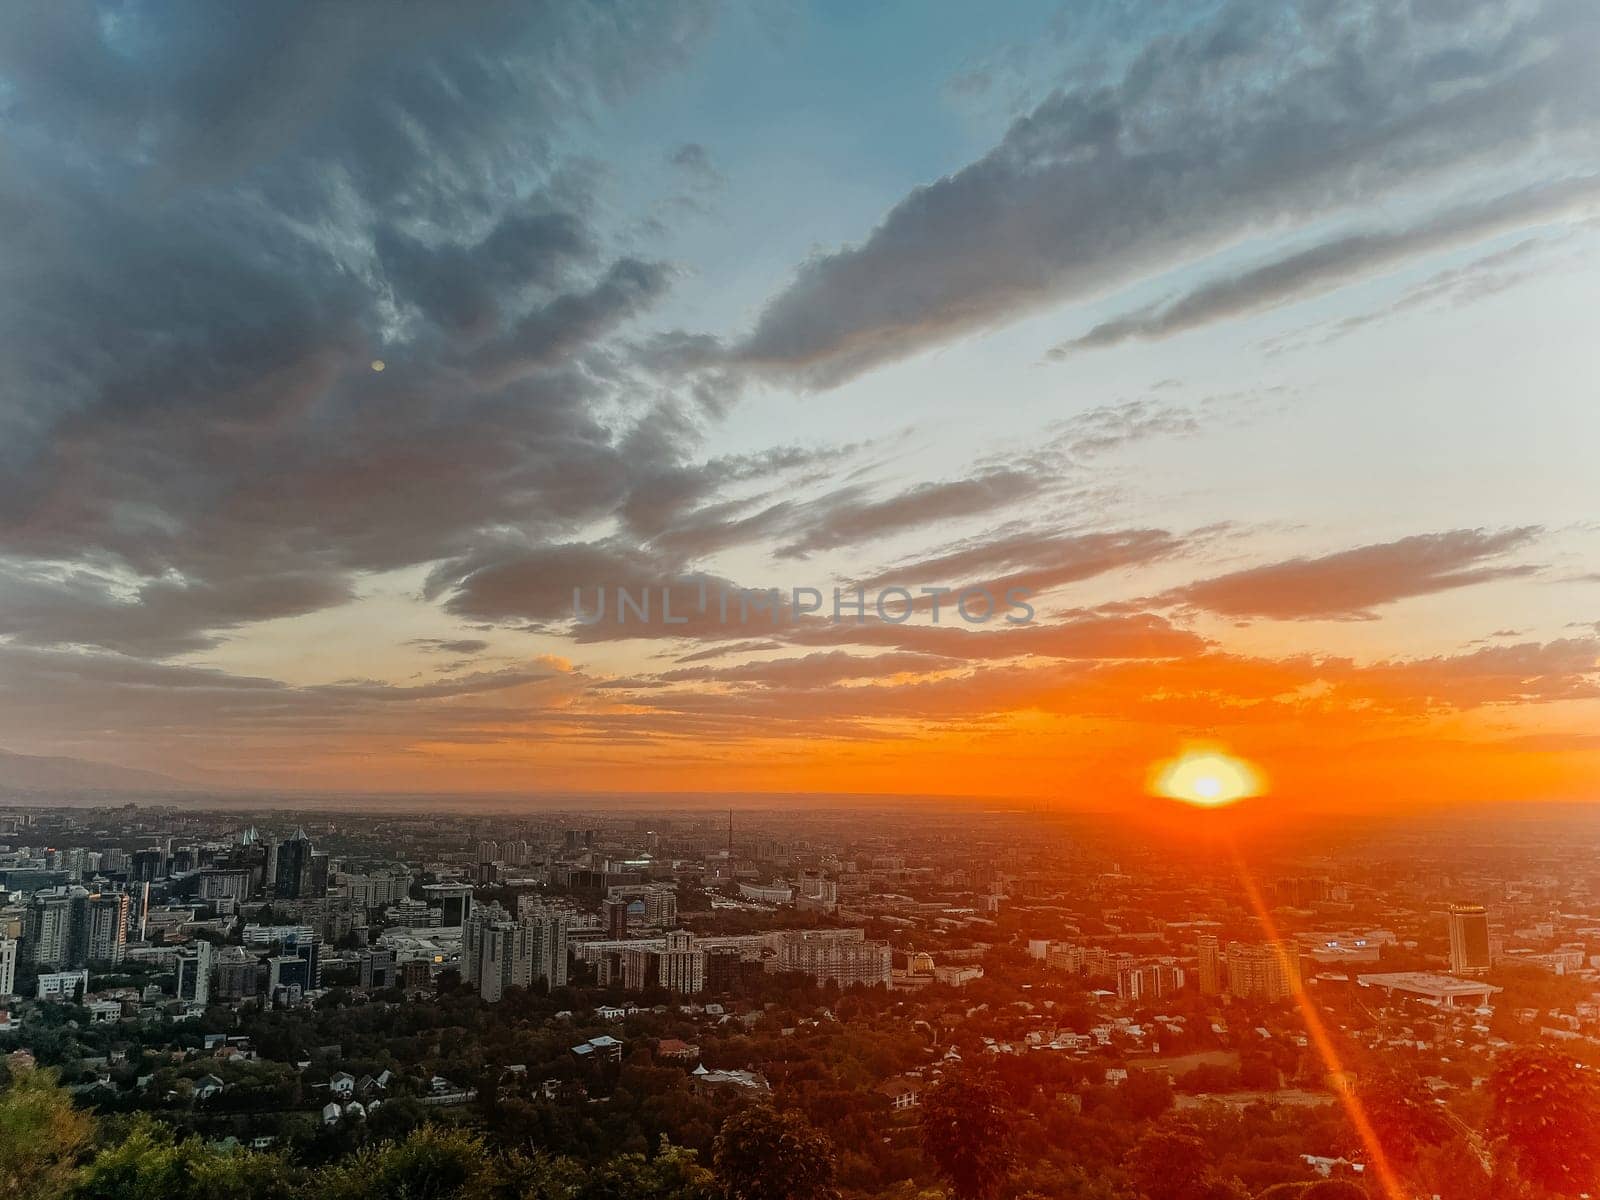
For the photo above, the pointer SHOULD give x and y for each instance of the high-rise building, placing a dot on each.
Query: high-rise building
(230, 884)
(106, 932)
(615, 912)
(194, 973)
(1210, 952)
(840, 956)
(1268, 973)
(1469, 939)
(489, 952)
(291, 941)
(681, 967)
(377, 969)
(239, 974)
(498, 952)
(316, 882)
(1149, 981)
(56, 930)
(453, 900)
(8, 966)
(147, 866)
(292, 868)
(661, 907)
(545, 934)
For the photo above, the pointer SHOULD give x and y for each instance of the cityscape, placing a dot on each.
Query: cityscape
(1283, 1008)
(799, 600)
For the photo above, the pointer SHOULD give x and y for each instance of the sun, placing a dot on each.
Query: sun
(1207, 778)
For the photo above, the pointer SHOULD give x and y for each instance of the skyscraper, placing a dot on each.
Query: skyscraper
(498, 952)
(1469, 939)
(1210, 951)
(616, 915)
(194, 973)
(454, 901)
(106, 933)
(292, 874)
(1269, 972)
(681, 967)
(55, 936)
(8, 966)
(661, 907)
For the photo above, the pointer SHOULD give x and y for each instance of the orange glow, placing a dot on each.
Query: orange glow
(1206, 778)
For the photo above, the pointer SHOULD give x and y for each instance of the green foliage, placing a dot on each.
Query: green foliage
(1334, 1189)
(1172, 1163)
(433, 1163)
(762, 1154)
(41, 1137)
(968, 1130)
(149, 1163)
(1545, 1117)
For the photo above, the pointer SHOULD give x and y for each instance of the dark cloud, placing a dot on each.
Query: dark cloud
(452, 645)
(1254, 117)
(851, 517)
(211, 227)
(1087, 636)
(1348, 585)
(1337, 261)
(1032, 559)
(812, 670)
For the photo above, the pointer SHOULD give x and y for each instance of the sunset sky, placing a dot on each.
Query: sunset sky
(1258, 339)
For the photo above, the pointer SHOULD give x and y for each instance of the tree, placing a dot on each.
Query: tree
(148, 1163)
(1403, 1114)
(673, 1174)
(41, 1137)
(1544, 1115)
(1173, 1163)
(968, 1130)
(762, 1154)
(431, 1164)
(1334, 1189)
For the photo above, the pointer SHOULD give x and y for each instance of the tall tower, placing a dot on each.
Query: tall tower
(1469, 939)
(1210, 951)
(293, 867)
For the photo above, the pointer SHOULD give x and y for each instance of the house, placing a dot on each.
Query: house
(207, 1086)
(604, 1048)
(342, 1084)
(677, 1049)
(701, 1079)
(331, 1113)
(902, 1092)
(609, 1013)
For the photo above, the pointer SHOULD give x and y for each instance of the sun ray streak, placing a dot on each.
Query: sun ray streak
(1323, 1042)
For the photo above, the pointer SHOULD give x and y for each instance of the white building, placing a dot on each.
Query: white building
(8, 966)
(62, 985)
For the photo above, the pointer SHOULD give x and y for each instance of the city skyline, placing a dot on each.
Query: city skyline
(1248, 341)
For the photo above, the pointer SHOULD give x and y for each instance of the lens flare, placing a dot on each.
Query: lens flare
(1207, 778)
